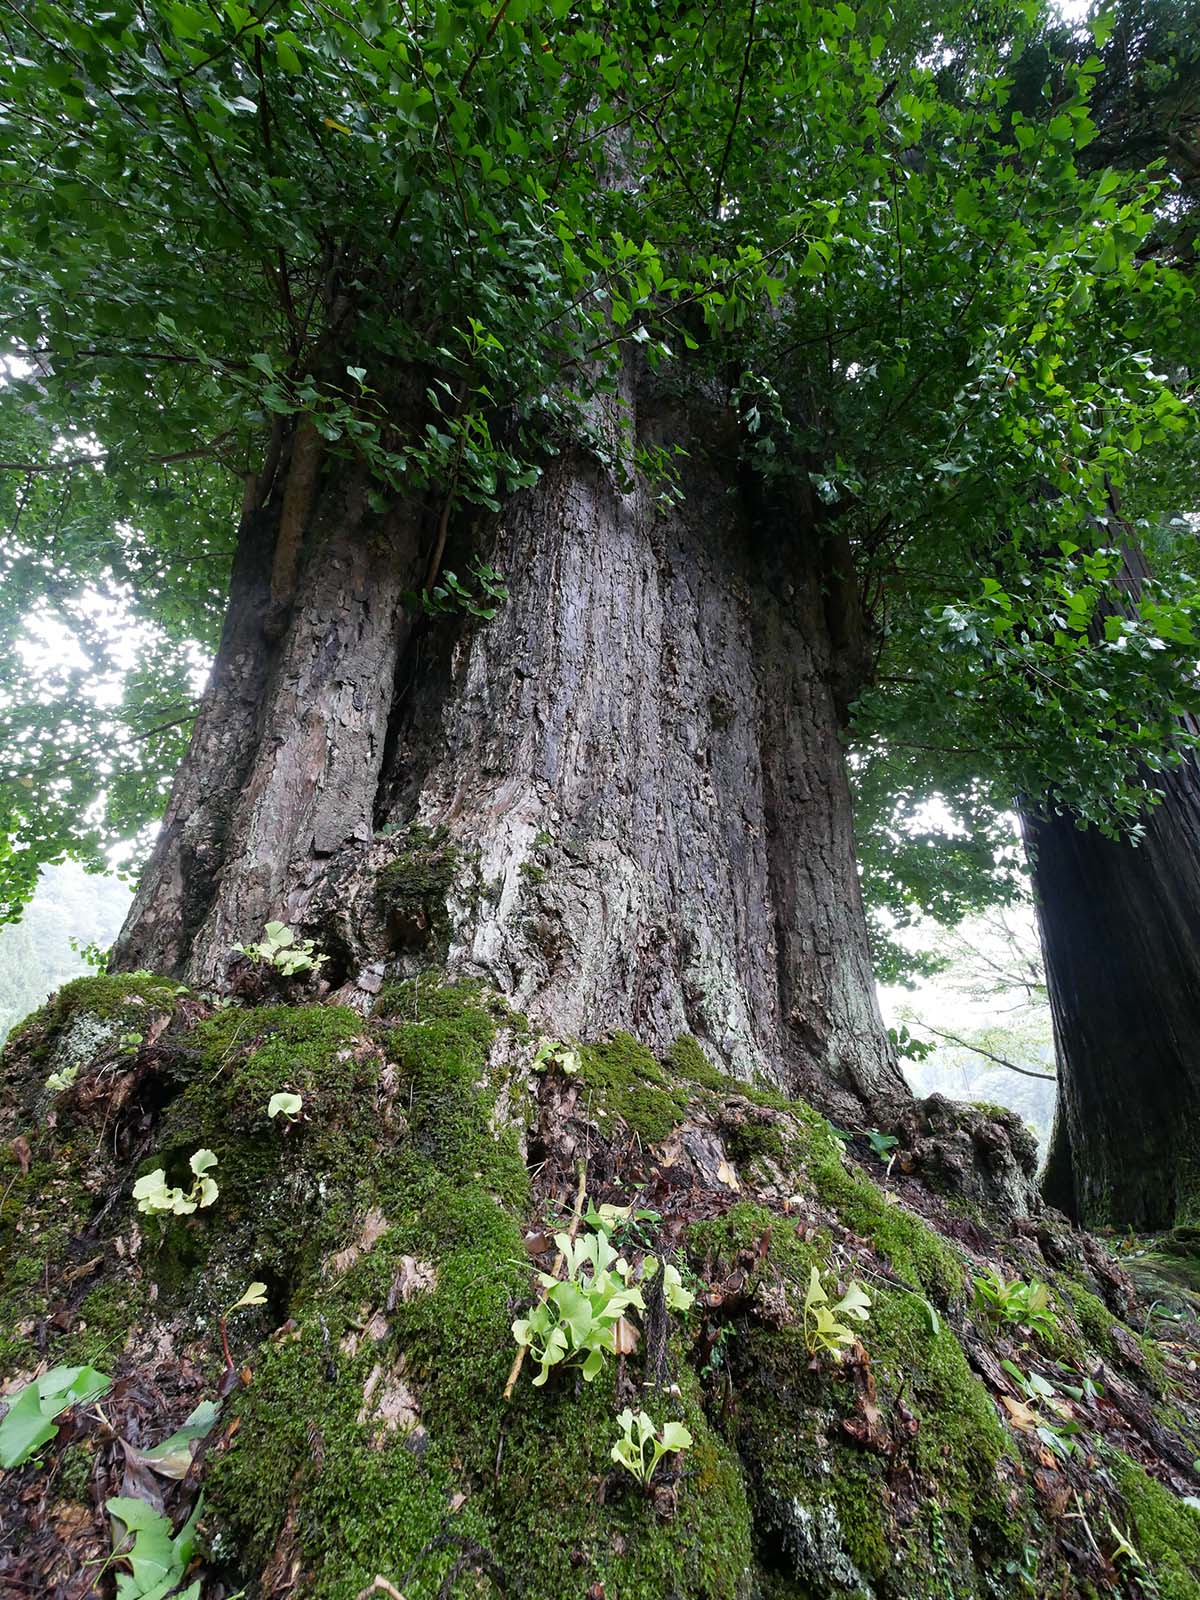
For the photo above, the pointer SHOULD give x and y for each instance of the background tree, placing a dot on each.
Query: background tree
(978, 1027)
(1118, 914)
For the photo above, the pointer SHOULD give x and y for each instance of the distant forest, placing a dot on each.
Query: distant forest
(36, 954)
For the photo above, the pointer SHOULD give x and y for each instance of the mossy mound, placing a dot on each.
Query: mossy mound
(393, 1222)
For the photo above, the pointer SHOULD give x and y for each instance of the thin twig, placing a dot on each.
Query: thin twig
(737, 111)
(380, 1585)
(1026, 1072)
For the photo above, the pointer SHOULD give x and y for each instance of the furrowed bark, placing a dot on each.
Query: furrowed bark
(630, 780)
(1120, 930)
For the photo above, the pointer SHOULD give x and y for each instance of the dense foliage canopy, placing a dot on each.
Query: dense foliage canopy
(882, 245)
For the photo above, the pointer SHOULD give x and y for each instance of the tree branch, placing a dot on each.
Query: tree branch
(737, 110)
(1026, 1072)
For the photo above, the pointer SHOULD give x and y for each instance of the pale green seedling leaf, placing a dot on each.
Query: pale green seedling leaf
(29, 1422)
(855, 1302)
(255, 1295)
(173, 1457)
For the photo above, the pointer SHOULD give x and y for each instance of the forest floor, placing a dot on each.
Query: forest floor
(892, 1386)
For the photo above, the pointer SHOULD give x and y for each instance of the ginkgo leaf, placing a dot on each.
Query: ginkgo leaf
(255, 1295)
(855, 1302)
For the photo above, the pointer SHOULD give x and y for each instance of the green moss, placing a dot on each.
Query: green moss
(286, 1189)
(961, 1439)
(107, 1002)
(1097, 1325)
(823, 1506)
(414, 886)
(686, 1060)
(1092, 1315)
(622, 1079)
(765, 1094)
(1165, 1532)
(43, 1212)
(742, 1229)
(247, 1056)
(364, 1500)
(920, 1256)
(73, 1478)
(109, 1311)
(405, 1126)
(748, 1142)
(107, 998)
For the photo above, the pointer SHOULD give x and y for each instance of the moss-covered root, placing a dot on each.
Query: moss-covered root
(388, 1221)
(375, 1439)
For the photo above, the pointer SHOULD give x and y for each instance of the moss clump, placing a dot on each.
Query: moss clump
(104, 996)
(286, 1189)
(624, 1080)
(1165, 1532)
(915, 1251)
(753, 1236)
(105, 1315)
(825, 1516)
(86, 1016)
(43, 1218)
(686, 1060)
(828, 1504)
(75, 1468)
(1098, 1327)
(414, 886)
(512, 1488)
(1094, 1318)
(961, 1441)
(428, 998)
(389, 1226)
(247, 1056)
(748, 1142)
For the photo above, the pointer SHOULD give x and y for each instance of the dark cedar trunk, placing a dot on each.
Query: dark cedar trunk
(1120, 933)
(622, 802)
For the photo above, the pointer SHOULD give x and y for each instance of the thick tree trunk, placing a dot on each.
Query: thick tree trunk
(1120, 933)
(622, 802)
(1120, 930)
